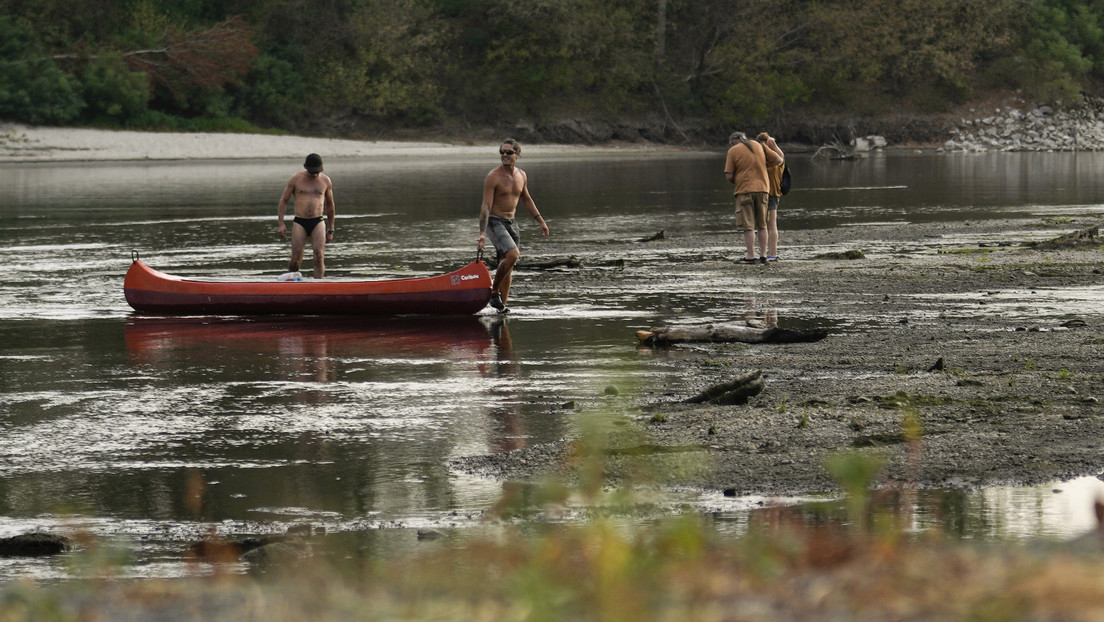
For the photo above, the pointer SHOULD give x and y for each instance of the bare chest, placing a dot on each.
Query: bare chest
(509, 184)
(310, 189)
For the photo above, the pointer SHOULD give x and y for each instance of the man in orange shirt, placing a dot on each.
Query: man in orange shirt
(746, 168)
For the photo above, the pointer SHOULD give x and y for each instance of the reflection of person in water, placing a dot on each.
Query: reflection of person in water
(509, 431)
(500, 335)
(306, 357)
(761, 318)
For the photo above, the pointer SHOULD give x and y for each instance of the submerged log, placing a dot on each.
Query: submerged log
(668, 335)
(735, 391)
(657, 236)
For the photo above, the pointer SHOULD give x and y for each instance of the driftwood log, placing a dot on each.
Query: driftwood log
(1084, 237)
(569, 262)
(735, 391)
(851, 254)
(668, 335)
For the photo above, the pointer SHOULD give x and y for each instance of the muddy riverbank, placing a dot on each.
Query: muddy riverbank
(987, 340)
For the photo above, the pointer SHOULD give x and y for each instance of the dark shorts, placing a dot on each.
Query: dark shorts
(503, 234)
(772, 202)
(308, 224)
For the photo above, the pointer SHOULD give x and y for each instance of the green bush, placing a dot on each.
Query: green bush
(112, 91)
(274, 93)
(33, 88)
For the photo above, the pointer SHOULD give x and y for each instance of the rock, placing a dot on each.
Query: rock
(1077, 128)
(277, 553)
(35, 544)
(215, 549)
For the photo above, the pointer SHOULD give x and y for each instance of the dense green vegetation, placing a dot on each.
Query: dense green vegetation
(359, 66)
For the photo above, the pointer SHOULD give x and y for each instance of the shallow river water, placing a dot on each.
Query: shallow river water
(148, 431)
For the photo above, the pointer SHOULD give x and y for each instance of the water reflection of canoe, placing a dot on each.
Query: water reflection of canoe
(155, 337)
(464, 291)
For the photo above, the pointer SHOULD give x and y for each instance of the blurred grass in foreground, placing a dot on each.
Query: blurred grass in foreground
(615, 567)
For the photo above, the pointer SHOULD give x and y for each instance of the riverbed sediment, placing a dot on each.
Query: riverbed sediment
(971, 357)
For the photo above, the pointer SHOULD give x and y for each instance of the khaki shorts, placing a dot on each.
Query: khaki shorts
(751, 211)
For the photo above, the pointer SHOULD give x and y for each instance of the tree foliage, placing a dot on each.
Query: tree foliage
(32, 87)
(297, 64)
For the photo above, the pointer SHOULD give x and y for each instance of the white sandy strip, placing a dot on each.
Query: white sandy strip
(23, 143)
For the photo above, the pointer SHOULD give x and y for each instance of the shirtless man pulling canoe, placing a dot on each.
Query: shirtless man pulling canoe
(314, 203)
(502, 189)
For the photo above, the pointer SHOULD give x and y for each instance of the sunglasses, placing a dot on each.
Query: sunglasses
(506, 152)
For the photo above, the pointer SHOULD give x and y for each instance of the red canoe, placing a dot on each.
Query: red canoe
(462, 292)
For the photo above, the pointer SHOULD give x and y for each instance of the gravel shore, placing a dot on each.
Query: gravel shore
(23, 143)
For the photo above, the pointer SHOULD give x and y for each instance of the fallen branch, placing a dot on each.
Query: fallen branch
(667, 335)
(735, 391)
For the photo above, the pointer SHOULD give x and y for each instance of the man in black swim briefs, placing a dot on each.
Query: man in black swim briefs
(307, 223)
(314, 202)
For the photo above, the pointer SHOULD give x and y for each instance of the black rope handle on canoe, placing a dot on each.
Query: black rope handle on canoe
(134, 256)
